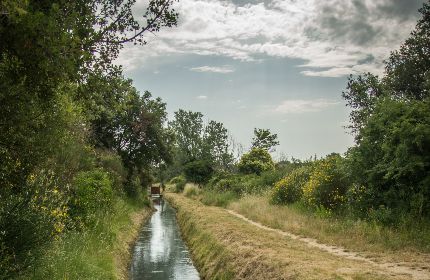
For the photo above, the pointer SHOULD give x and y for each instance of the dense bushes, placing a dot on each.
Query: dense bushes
(91, 192)
(393, 158)
(327, 185)
(198, 172)
(290, 189)
(320, 185)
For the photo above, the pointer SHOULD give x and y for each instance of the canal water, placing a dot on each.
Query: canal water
(160, 253)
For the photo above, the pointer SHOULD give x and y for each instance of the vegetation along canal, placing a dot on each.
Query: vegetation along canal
(160, 252)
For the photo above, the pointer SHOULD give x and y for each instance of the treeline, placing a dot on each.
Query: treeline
(385, 177)
(75, 135)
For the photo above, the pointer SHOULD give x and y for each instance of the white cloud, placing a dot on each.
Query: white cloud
(223, 70)
(303, 106)
(332, 37)
(202, 97)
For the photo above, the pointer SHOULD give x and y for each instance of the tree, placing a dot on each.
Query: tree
(393, 157)
(199, 171)
(188, 129)
(48, 47)
(264, 139)
(407, 69)
(256, 161)
(390, 120)
(216, 146)
(361, 94)
(134, 128)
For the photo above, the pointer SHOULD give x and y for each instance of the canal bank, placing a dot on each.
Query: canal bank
(224, 246)
(126, 240)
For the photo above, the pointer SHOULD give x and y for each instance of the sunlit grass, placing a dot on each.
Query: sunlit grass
(224, 246)
(353, 234)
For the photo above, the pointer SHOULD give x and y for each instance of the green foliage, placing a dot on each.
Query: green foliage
(29, 220)
(134, 128)
(256, 161)
(57, 83)
(216, 146)
(90, 254)
(407, 70)
(112, 163)
(179, 183)
(390, 165)
(392, 159)
(264, 139)
(188, 129)
(241, 184)
(290, 188)
(91, 193)
(195, 141)
(198, 172)
(327, 185)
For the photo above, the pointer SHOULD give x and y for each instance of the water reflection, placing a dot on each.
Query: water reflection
(160, 252)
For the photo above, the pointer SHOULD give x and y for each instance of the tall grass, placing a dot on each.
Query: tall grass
(220, 199)
(191, 190)
(91, 253)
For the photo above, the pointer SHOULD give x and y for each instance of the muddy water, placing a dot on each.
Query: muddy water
(160, 253)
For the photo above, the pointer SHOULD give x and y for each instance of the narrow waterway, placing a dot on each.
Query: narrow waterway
(160, 253)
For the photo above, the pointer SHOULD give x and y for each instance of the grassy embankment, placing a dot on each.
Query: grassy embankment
(408, 244)
(100, 252)
(226, 247)
(405, 245)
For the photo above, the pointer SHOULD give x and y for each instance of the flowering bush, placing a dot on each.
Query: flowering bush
(30, 219)
(327, 185)
(290, 188)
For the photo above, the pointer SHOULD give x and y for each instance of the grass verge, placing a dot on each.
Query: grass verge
(101, 252)
(409, 245)
(226, 247)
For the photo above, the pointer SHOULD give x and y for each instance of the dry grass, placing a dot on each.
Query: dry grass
(379, 243)
(191, 190)
(226, 247)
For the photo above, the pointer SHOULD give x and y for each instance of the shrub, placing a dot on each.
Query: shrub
(179, 183)
(191, 190)
(29, 220)
(290, 188)
(92, 192)
(199, 171)
(392, 157)
(327, 185)
(256, 162)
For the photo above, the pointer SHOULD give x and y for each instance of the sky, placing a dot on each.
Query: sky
(280, 65)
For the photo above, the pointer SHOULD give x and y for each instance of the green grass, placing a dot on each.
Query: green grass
(89, 254)
(220, 199)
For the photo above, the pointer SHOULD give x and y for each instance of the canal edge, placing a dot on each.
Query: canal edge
(126, 241)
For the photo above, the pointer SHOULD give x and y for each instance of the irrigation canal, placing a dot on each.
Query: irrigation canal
(159, 252)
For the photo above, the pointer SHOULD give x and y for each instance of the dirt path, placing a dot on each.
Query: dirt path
(392, 268)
